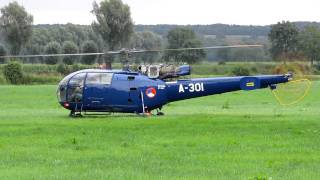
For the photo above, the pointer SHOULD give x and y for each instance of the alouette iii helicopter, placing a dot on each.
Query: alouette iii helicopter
(147, 89)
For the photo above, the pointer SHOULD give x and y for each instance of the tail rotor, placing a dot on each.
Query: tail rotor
(292, 92)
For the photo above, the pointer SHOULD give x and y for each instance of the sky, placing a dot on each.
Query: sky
(182, 12)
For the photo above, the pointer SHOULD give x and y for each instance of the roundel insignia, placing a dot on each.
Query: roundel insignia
(151, 92)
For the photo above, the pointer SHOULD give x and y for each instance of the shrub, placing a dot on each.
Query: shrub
(316, 69)
(13, 73)
(63, 69)
(75, 68)
(240, 71)
(39, 68)
(2, 80)
(297, 69)
(222, 63)
(38, 79)
(254, 70)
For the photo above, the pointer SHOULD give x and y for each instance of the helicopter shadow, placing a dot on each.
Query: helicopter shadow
(113, 116)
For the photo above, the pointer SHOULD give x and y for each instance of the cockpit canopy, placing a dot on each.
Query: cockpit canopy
(71, 87)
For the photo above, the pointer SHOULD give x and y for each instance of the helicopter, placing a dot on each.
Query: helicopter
(148, 88)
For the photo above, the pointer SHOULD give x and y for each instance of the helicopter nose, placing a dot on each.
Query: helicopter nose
(66, 105)
(62, 93)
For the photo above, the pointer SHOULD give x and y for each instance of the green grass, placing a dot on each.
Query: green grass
(240, 135)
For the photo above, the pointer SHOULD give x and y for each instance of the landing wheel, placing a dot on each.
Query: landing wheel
(72, 114)
(75, 114)
(160, 114)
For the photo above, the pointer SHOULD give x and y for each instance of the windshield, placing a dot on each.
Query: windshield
(65, 80)
(76, 82)
(75, 88)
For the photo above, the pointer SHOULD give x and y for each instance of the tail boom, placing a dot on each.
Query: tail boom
(187, 89)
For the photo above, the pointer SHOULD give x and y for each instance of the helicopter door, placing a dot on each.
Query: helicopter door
(75, 88)
(134, 92)
(97, 91)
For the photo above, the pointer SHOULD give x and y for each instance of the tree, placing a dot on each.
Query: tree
(224, 54)
(3, 52)
(309, 42)
(284, 40)
(184, 38)
(146, 41)
(33, 49)
(248, 54)
(114, 23)
(69, 47)
(16, 24)
(52, 48)
(89, 47)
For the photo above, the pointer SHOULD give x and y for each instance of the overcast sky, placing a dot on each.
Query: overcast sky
(244, 12)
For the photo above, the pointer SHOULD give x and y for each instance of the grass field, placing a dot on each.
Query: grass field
(241, 135)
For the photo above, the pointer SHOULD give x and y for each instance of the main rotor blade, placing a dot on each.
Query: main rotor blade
(198, 48)
(130, 51)
(51, 55)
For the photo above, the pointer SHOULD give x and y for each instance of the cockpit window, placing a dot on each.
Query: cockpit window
(75, 90)
(62, 88)
(99, 78)
(77, 80)
(65, 80)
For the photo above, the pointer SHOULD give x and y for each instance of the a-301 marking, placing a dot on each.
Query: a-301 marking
(192, 87)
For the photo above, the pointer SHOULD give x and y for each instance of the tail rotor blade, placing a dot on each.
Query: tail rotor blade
(292, 92)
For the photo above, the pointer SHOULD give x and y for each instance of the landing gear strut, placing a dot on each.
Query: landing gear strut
(148, 113)
(75, 114)
(159, 113)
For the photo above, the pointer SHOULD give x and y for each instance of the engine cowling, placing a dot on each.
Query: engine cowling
(164, 71)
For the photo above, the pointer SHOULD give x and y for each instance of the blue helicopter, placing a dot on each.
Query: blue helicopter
(95, 90)
(149, 88)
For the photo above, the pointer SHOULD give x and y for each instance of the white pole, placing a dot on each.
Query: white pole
(142, 100)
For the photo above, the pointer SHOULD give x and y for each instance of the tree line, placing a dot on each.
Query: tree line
(113, 29)
(221, 29)
(212, 29)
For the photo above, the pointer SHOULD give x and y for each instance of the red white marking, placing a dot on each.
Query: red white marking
(66, 105)
(151, 92)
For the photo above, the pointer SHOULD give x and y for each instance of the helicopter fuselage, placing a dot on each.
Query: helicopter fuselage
(131, 92)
